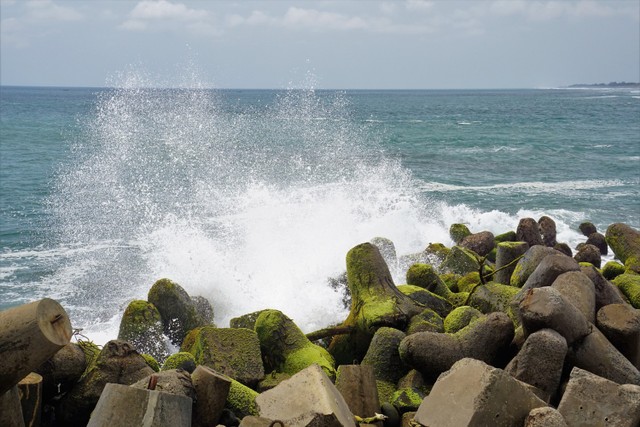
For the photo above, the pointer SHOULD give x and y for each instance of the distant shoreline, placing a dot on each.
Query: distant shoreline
(606, 85)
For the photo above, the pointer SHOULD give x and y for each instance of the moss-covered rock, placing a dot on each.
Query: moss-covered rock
(427, 299)
(181, 360)
(589, 253)
(612, 269)
(461, 261)
(587, 228)
(91, 352)
(426, 321)
(451, 280)
(376, 302)
(528, 263)
(387, 366)
(151, 361)
(271, 380)
(509, 236)
(437, 250)
(247, 321)
(457, 232)
(424, 276)
(624, 241)
(469, 281)
(480, 243)
(241, 400)
(178, 312)
(460, 318)
(494, 297)
(507, 256)
(285, 348)
(629, 284)
(407, 399)
(234, 352)
(141, 325)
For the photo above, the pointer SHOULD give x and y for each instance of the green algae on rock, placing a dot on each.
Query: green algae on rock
(285, 348)
(182, 360)
(624, 241)
(151, 361)
(629, 284)
(141, 325)
(612, 269)
(460, 318)
(427, 320)
(387, 365)
(241, 400)
(457, 232)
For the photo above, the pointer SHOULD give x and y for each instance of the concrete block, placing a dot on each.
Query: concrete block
(579, 290)
(474, 394)
(620, 323)
(545, 417)
(308, 398)
(590, 400)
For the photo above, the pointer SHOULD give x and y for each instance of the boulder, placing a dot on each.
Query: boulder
(599, 241)
(375, 302)
(432, 353)
(590, 400)
(589, 253)
(528, 263)
(506, 255)
(181, 360)
(629, 284)
(547, 227)
(387, 365)
(472, 394)
(212, 390)
(624, 241)
(457, 232)
(460, 318)
(177, 310)
(308, 398)
(540, 361)
(62, 371)
(141, 325)
(234, 352)
(612, 269)
(620, 323)
(460, 261)
(587, 228)
(173, 381)
(425, 321)
(241, 400)
(285, 348)
(424, 276)
(579, 290)
(529, 231)
(606, 292)
(247, 321)
(493, 297)
(563, 248)
(427, 299)
(117, 363)
(545, 417)
(481, 243)
(357, 385)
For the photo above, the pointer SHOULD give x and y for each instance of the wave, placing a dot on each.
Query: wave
(527, 187)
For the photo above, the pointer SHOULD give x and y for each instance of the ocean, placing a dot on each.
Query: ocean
(252, 198)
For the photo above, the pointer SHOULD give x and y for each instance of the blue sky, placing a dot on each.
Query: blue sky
(324, 44)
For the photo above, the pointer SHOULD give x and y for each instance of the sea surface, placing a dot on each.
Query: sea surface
(252, 198)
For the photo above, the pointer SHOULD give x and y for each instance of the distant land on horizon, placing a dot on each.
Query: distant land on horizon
(606, 85)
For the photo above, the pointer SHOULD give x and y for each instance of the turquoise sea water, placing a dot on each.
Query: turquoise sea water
(253, 197)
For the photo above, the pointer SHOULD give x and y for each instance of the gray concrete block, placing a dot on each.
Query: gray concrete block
(545, 417)
(620, 323)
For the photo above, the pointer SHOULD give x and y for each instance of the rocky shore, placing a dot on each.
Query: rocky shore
(510, 330)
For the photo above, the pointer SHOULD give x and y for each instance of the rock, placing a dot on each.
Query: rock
(493, 297)
(357, 385)
(436, 251)
(460, 318)
(308, 398)
(253, 421)
(578, 290)
(178, 312)
(387, 365)
(174, 381)
(529, 231)
(606, 292)
(229, 419)
(589, 253)
(473, 393)
(10, 409)
(234, 352)
(540, 361)
(424, 276)
(547, 227)
(563, 248)
(545, 417)
(587, 229)
(612, 269)
(241, 400)
(427, 299)
(271, 380)
(509, 236)
(590, 400)
(181, 360)
(629, 284)
(407, 399)
(460, 261)
(141, 326)
(247, 321)
(620, 323)
(457, 232)
(481, 243)
(426, 321)
(624, 241)
(392, 414)
(376, 302)
(151, 362)
(432, 353)
(599, 241)
(62, 371)
(468, 282)
(506, 254)
(118, 363)
(286, 348)
(204, 308)
(212, 390)
(527, 264)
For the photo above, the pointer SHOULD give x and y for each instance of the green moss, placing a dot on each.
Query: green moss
(509, 236)
(178, 360)
(438, 250)
(457, 232)
(427, 299)
(407, 399)
(241, 400)
(141, 326)
(386, 390)
(460, 318)
(190, 340)
(467, 282)
(271, 380)
(426, 321)
(91, 352)
(629, 284)
(460, 260)
(451, 280)
(494, 297)
(151, 361)
(247, 321)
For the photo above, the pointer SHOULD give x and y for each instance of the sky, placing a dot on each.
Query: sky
(412, 44)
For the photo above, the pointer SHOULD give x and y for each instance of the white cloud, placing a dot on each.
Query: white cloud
(163, 9)
(163, 15)
(419, 5)
(47, 10)
(318, 20)
(553, 9)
